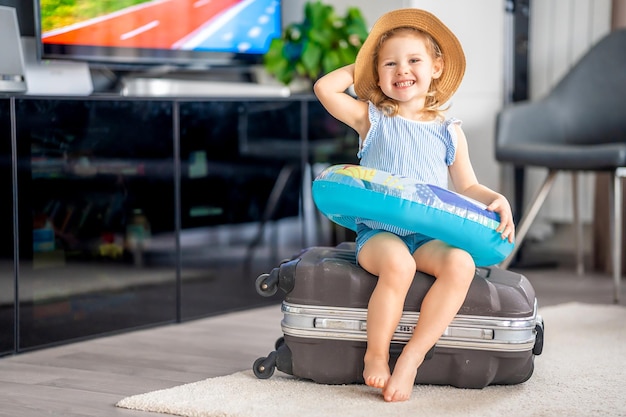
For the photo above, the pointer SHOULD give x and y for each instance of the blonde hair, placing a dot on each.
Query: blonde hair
(390, 106)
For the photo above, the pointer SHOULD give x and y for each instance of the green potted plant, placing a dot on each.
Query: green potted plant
(322, 42)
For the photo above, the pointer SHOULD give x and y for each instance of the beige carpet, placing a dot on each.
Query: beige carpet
(582, 372)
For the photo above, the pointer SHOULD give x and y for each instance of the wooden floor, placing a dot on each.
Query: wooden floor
(87, 378)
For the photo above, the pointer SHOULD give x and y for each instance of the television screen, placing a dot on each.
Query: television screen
(187, 32)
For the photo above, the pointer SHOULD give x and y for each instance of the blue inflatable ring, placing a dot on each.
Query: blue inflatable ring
(345, 193)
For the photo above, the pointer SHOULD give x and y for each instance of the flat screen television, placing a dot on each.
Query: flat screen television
(193, 33)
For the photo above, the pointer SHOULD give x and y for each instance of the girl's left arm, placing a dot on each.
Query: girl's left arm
(465, 182)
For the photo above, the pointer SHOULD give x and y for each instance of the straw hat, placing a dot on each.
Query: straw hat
(453, 56)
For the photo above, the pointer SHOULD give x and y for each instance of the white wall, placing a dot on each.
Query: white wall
(293, 9)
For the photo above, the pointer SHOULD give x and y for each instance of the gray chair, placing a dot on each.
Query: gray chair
(580, 125)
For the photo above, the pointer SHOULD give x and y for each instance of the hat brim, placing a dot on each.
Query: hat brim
(453, 57)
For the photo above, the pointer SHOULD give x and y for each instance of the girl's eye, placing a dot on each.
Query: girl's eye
(414, 60)
(390, 64)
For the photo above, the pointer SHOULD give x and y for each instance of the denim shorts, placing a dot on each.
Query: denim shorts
(413, 241)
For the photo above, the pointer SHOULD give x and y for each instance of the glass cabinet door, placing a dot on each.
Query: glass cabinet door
(96, 192)
(235, 155)
(7, 275)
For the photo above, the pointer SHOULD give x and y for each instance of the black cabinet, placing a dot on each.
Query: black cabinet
(96, 205)
(137, 212)
(7, 270)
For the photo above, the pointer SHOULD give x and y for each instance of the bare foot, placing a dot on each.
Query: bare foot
(376, 371)
(400, 385)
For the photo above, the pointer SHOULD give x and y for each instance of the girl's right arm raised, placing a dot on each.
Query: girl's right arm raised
(331, 91)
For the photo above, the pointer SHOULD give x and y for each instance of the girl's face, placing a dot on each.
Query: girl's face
(406, 67)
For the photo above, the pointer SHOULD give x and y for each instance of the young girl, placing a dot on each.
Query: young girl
(409, 66)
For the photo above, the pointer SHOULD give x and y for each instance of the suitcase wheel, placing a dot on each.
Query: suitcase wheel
(263, 368)
(267, 284)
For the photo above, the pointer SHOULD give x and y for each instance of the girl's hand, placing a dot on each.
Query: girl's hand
(506, 228)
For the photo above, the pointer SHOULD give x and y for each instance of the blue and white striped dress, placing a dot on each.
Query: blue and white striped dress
(418, 150)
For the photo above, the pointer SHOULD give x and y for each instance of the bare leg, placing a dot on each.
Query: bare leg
(454, 271)
(387, 257)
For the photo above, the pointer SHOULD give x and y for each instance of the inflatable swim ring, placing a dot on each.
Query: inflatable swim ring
(345, 193)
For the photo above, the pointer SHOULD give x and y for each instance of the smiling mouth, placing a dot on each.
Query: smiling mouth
(404, 83)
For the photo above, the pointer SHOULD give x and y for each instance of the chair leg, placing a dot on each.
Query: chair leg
(530, 216)
(578, 225)
(615, 220)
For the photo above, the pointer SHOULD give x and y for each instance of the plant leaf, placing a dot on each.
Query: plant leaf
(311, 57)
(331, 61)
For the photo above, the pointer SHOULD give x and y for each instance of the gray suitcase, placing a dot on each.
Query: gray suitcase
(492, 340)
